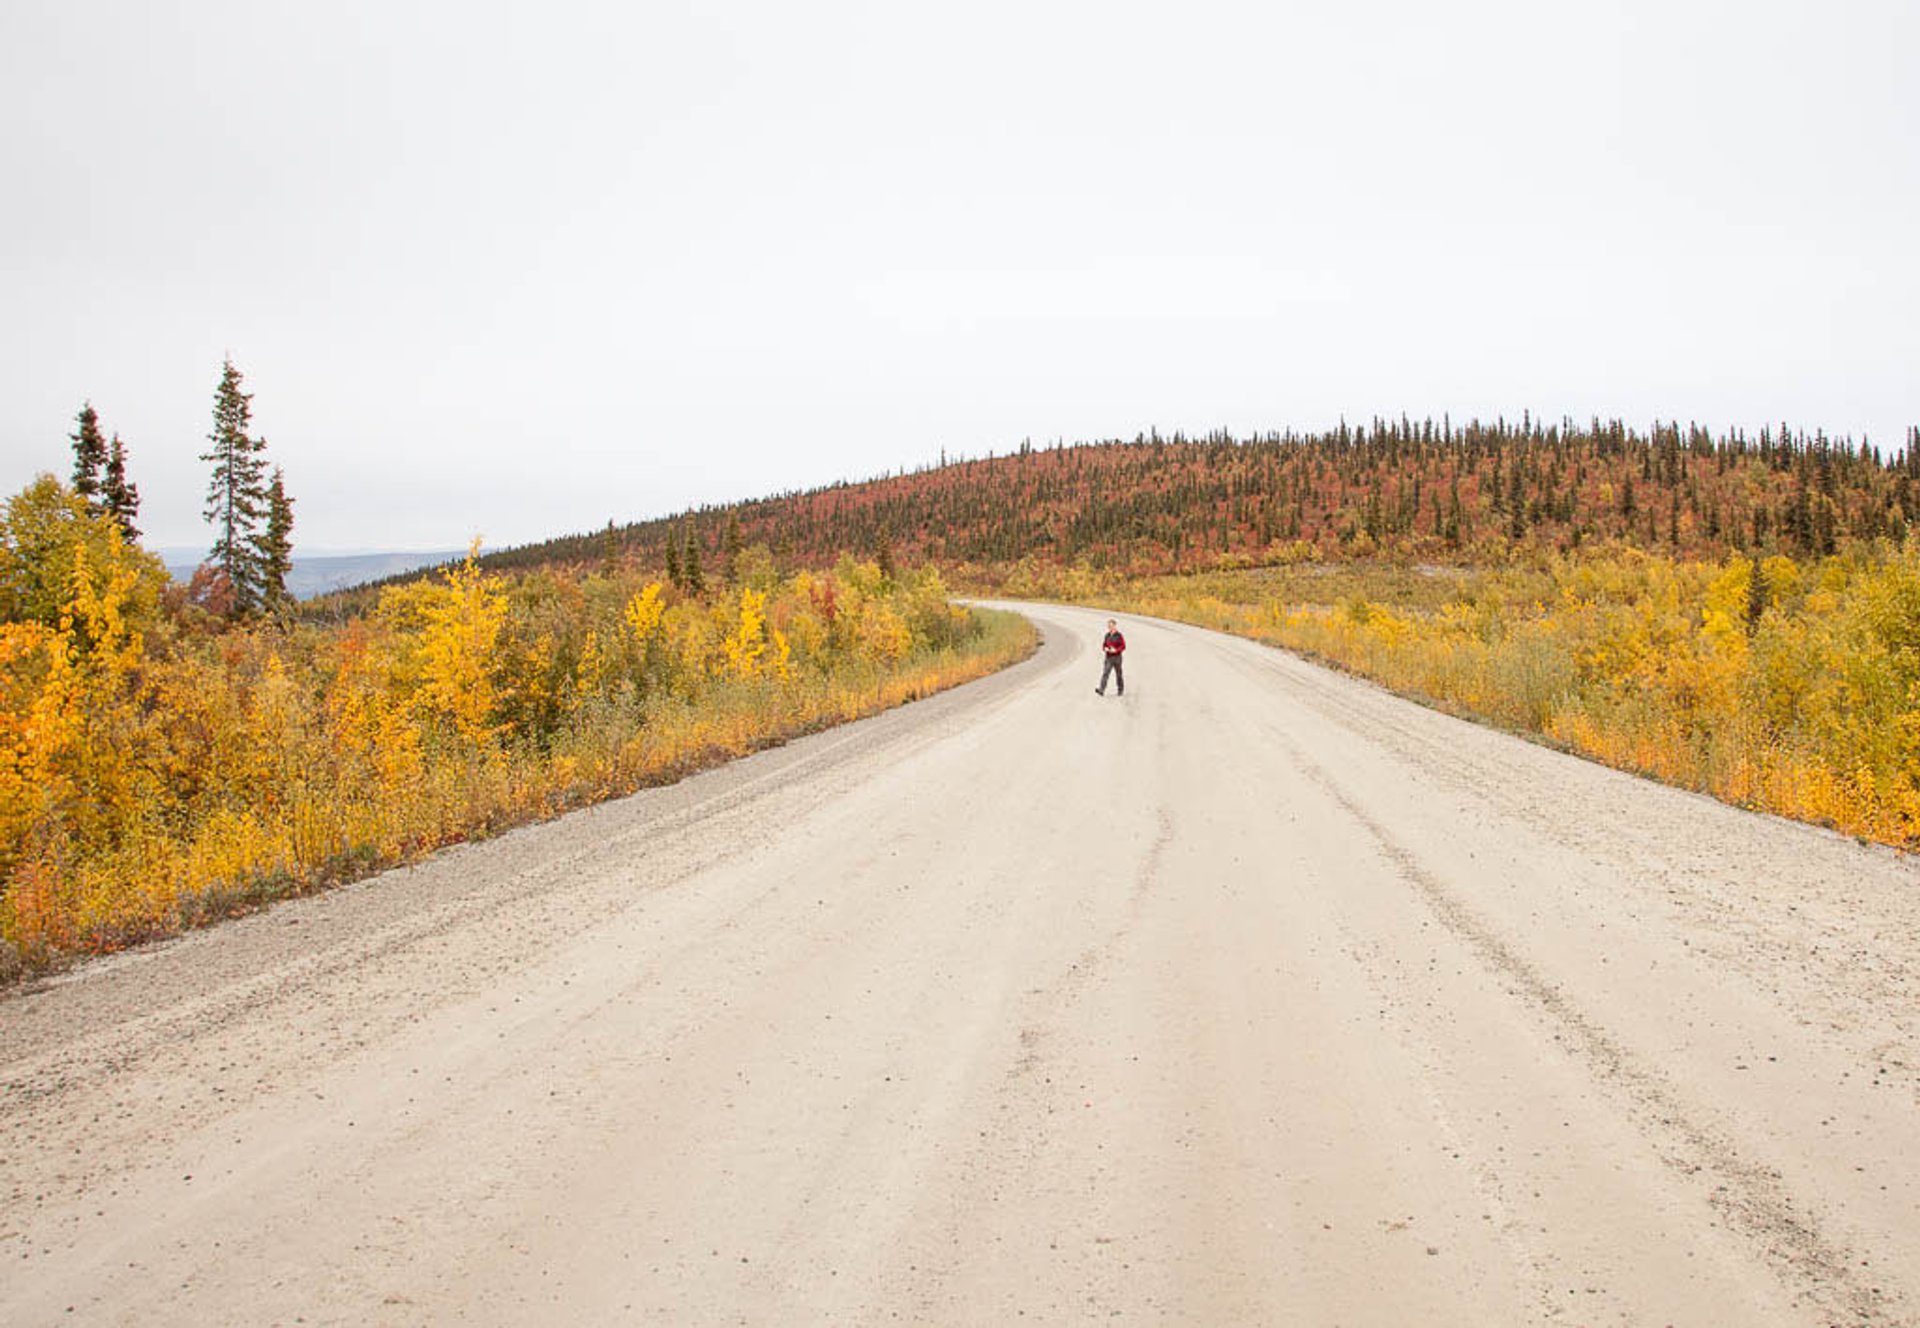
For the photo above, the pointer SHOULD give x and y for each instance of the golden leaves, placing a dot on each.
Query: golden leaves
(149, 778)
(643, 613)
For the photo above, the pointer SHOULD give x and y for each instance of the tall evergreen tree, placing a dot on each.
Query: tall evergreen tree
(609, 549)
(274, 547)
(119, 495)
(89, 456)
(673, 558)
(690, 573)
(237, 492)
(730, 546)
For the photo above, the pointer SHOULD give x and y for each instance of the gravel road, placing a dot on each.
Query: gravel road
(1257, 996)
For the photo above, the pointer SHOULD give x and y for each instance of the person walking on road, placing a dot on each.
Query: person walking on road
(1113, 647)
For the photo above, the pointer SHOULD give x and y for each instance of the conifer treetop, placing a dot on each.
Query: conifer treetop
(89, 456)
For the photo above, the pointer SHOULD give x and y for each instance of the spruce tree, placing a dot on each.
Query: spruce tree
(237, 492)
(695, 581)
(273, 549)
(89, 457)
(730, 545)
(120, 496)
(673, 557)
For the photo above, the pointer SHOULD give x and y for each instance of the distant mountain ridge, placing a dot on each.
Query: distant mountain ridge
(322, 573)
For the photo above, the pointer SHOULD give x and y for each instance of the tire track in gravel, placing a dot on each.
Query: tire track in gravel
(1750, 1194)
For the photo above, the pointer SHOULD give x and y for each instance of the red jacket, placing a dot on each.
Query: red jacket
(1114, 644)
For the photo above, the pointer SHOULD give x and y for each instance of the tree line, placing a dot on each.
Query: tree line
(1427, 490)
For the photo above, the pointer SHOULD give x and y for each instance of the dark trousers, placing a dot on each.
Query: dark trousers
(1113, 670)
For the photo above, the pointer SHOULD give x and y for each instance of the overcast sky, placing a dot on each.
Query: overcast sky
(516, 270)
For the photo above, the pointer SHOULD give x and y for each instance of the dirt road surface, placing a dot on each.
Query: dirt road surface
(1256, 996)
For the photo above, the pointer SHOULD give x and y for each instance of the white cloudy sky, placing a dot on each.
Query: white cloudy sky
(515, 270)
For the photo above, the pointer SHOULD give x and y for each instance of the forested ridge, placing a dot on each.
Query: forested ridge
(1473, 493)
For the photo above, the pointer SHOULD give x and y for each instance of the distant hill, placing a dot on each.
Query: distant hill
(325, 572)
(1426, 491)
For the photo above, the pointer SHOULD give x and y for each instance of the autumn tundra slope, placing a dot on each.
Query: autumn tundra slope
(1257, 996)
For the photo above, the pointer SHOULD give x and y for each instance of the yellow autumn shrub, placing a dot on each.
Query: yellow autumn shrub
(1799, 696)
(159, 770)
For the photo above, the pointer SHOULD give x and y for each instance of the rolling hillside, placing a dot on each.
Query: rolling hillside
(1424, 490)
